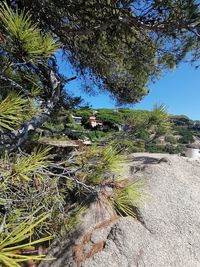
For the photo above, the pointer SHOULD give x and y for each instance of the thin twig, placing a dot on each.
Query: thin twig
(3, 224)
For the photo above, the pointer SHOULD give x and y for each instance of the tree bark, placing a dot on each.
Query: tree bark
(13, 140)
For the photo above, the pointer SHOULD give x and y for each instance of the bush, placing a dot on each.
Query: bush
(174, 149)
(171, 139)
(94, 135)
(74, 126)
(128, 145)
(154, 148)
(186, 135)
(168, 148)
(53, 126)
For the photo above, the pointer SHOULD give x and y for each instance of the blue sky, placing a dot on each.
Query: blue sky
(177, 89)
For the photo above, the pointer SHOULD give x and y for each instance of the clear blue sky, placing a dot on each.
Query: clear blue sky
(179, 90)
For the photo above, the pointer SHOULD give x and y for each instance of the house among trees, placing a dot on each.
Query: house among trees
(94, 123)
(77, 120)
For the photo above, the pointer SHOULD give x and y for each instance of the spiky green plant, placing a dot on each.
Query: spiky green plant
(111, 158)
(159, 123)
(18, 240)
(124, 199)
(24, 39)
(25, 166)
(12, 111)
(28, 182)
(96, 162)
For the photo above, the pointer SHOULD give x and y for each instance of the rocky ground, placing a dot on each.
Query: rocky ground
(166, 232)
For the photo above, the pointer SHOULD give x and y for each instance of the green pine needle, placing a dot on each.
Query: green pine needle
(24, 39)
(20, 239)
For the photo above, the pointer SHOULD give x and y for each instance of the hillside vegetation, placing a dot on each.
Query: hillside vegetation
(127, 129)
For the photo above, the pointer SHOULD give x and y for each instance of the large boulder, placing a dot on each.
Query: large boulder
(167, 229)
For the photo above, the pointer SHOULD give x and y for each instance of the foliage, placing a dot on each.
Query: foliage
(15, 241)
(12, 112)
(181, 120)
(29, 79)
(97, 163)
(126, 198)
(72, 220)
(120, 45)
(98, 135)
(171, 139)
(31, 44)
(101, 167)
(129, 145)
(186, 135)
(154, 148)
(167, 148)
(74, 126)
(34, 182)
(151, 125)
(48, 125)
(159, 123)
(50, 186)
(85, 114)
(142, 123)
(28, 183)
(145, 129)
(112, 46)
(27, 166)
(110, 117)
(174, 149)
(138, 124)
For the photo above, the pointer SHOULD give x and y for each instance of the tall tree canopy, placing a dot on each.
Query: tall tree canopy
(121, 44)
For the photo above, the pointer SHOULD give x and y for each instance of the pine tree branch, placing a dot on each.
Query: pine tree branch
(13, 140)
(14, 84)
(76, 181)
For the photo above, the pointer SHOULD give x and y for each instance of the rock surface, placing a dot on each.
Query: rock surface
(168, 235)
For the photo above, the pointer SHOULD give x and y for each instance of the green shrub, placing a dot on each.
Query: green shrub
(97, 135)
(171, 139)
(171, 149)
(186, 135)
(74, 126)
(96, 163)
(168, 148)
(126, 198)
(154, 148)
(128, 145)
(53, 126)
